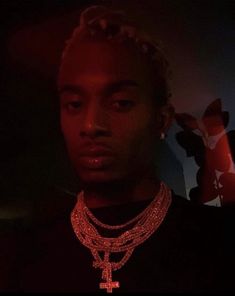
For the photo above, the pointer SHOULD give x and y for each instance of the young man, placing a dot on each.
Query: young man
(128, 231)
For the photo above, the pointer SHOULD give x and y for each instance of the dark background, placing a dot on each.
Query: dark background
(32, 150)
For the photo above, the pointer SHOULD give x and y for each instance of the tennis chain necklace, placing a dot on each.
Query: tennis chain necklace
(139, 229)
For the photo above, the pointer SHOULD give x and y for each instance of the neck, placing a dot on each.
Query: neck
(117, 193)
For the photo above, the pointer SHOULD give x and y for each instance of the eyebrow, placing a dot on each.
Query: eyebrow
(115, 86)
(109, 88)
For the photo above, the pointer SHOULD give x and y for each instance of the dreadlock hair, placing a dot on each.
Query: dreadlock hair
(102, 23)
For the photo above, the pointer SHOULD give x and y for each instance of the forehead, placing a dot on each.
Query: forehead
(97, 63)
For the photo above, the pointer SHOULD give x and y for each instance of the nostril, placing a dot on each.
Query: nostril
(94, 130)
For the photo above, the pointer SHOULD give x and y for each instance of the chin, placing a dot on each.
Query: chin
(98, 178)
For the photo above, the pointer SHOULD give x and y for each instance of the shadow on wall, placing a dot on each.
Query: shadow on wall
(213, 150)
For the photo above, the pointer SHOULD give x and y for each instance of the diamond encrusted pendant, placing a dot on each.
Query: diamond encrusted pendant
(106, 267)
(109, 285)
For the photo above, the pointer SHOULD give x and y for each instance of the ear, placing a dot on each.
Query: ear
(165, 117)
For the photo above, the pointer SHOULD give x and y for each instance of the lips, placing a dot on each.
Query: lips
(94, 151)
(98, 162)
(96, 157)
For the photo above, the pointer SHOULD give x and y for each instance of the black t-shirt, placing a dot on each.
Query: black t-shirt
(191, 251)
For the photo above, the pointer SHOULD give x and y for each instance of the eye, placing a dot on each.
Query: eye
(123, 105)
(73, 106)
(70, 102)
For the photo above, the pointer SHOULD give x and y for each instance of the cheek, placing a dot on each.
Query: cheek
(69, 131)
(143, 144)
(138, 139)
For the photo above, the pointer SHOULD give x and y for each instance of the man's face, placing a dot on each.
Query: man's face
(108, 116)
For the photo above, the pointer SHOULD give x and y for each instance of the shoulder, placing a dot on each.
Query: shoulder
(225, 213)
(209, 222)
(200, 212)
(211, 228)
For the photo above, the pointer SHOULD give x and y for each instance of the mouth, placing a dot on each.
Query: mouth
(96, 161)
(96, 157)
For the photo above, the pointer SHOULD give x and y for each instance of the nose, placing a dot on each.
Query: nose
(95, 122)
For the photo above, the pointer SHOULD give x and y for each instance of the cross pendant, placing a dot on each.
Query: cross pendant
(109, 285)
